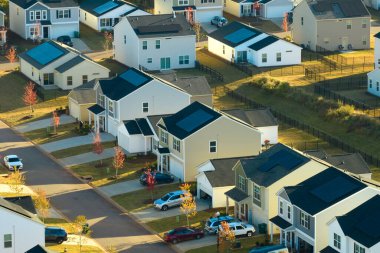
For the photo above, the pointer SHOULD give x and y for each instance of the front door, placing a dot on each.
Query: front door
(101, 123)
(345, 43)
(45, 31)
(165, 63)
(242, 56)
(246, 9)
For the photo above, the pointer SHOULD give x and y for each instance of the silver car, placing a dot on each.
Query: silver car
(219, 21)
(170, 199)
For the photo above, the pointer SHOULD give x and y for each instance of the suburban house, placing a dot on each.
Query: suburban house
(197, 134)
(331, 25)
(200, 11)
(374, 76)
(124, 102)
(20, 230)
(3, 29)
(305, 210)
(80, 99)
(357, 230)
(152, 122)
(275, 8)
(262, 119)
(214, 178)
(102, 15)
(257, 181)
(374, 4)
(44, 19)
(151, 42)
(350, 162)
(240, 43)
(264, 8)
(53, 64)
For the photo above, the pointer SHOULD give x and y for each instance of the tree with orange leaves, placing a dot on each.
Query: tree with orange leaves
(188, 206)
(11, 55)
(30, 95)
(150, 178)
(285, 24)
(56, 120)
(118, 159)
(226, 236)
(97, 146)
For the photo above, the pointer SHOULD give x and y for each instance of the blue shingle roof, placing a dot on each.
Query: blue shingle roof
(70, 64)
(100, 7)
(138, 126)
(263, 43)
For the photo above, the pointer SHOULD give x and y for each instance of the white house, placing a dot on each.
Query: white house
(261, 119)
(53, 64)
(20, 230)
(102, 15)
(357, 230)
(3, 29)
(267, 8)
(152, 42)
(374, 75)
(237, 42)
(80, 99)
(275, 8)
(44, 19)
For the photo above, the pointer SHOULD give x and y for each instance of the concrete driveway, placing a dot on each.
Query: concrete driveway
(87, 157)
(123, 187)
(79, 45)
(43, 123)
(195, 244)
(208, 27)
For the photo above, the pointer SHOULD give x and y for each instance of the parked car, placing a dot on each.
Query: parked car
(159, 178)
(212, 225)
(183, 234)
(241, 229)
(219, 21)
(278, 248)
(12, 162)
(170, 199)
(55, 234)
(65, 39)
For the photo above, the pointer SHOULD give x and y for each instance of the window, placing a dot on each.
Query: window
(184, 59)
(301, 20)
(145, 107)
(281, 207)
(349, 24)
(63, 14)
(305, 220)
(264, 58)
(32, 71)
(105, 22)
(125, 39)
(44, 15)
(101, 100)
(364, 23)
(149, 60)
(17, 11)
(158, 44)
(241, 183)
(326, 40)
(289, 212)
(33, 31)
(38, 15)
(176, 145)
(183, 2)
(145, 45)
(378, 61)
(155, 144)
(48, 78)
(85, 16)
(212, 146)
(110, 108)
(203, 1)
(377, 86)
(278, 57)
(69, 80)
(364, 40)
(224, 49)
(358, 249)
(164, 137)
(370, 83)
(336, 241)
(31, 15)
(257, 192)
(8, 241)
(84, 79)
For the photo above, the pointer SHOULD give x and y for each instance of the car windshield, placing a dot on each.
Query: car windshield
(13, 159)
(171, 232)
(166, 197)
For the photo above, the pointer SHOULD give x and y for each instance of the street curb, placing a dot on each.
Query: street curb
(97, 191)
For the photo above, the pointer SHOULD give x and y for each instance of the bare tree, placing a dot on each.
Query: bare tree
(11, 54)
(98, 147)
(55, 120)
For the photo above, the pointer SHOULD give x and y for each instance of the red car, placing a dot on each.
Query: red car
(183, 234)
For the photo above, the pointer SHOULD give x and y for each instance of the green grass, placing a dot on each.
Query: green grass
(93, 39)
(138, 200)
(100, 176)
(114, 66)
(41, 136)
(74, 248)
(79, 150)
(20, 43)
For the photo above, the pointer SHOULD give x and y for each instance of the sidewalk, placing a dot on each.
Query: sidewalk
(87, 157)
(74, 142)
(43, 123)
(123, 187)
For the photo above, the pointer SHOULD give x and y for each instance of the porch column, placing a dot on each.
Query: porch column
(89, 118)
(161, 163)
(145, 145)
(286, 241)
(97, 123)
(227, 204)
(281, 236)
(271, 232)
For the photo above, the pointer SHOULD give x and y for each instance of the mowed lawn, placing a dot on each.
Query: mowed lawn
(45, 135)
(79, 150)
(93, 39)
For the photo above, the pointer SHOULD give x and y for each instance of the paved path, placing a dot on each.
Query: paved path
(194, 244)
(79, 45)
(151, 214)
(87, 157)
(74, 142)
(123, 187)
(43, 123)
(72, 198)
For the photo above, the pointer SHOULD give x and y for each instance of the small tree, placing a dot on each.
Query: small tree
(225, 236)
(80, 227)
(55, 120)
(118, 159)
(30, 95)
(41, 203)
(98, 147)
(266, 144)
(108, 38)
(197, 30)
(150, 178)
(15, 181)
(11, 55)
(188, 206)
(285, 24)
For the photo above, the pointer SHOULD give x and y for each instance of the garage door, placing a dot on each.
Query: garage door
(278, 11)
(74, 109)
(176, 168)
(203, 16)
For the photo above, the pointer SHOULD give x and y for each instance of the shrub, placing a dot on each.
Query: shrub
(342, 112)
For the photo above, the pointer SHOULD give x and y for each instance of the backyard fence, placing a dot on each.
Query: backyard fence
(344, 60)
(213, 73)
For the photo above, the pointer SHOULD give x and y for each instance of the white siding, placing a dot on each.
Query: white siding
(377, 53)
(269, 133)
(126, 53)
(64, 29)
(233, 8)
(205, 15)
(17, 22)
(374, 82)
(277, 8)
(176, 167)
(163, 7)
(334, 227)
(74, 109)
(133, 143)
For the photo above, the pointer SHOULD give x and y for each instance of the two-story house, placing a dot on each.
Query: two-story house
(152, 42)
(331, 25)
(51, 63)
(374, 76)
(258, 179)
(102, 15)
(3, 29)
(356, 231)
(197, 134)
(46, 19)
(200, 11)
(124, 103)
(305, 210)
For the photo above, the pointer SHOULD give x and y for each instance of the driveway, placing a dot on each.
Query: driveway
(79, 45)
(87, 157)
(195, 244)
(208, 27)
(71, 197)
(123, 187)
(43, 123)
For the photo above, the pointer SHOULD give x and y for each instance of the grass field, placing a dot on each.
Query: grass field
(79, 150)
(41, 136)
(93, 39)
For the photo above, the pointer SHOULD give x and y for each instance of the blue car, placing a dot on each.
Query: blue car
(279, 248)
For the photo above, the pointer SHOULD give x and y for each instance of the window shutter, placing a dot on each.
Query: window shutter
(308, 222)
(56, 13)
(69, 13)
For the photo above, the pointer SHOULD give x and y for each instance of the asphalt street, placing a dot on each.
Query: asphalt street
(72, 198)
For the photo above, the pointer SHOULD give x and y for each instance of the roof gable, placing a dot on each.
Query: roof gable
(254, 117)
(25, 4)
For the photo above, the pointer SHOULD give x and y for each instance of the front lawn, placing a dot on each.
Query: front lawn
(138, 200)
(59, 154)
(93, 39)
(103, 175)
(114, 66)
(45, 135)
(74, 248)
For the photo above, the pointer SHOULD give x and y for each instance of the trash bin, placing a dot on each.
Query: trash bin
(263, 228)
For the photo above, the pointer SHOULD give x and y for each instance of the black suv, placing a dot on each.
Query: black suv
(159, 178)
(65, 40)
(55, 234)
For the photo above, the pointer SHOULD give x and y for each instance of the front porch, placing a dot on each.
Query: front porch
(96, 118)
(241, 210)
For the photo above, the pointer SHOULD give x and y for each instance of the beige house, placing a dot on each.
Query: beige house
(197, 134)
(80, 99)
(331, 25)
(257, 181)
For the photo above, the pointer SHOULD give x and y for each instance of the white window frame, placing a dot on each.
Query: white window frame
(364, 40)
(177, 145)
(158, 44)
(31, 15)
(358, 248)
(39, 13)
(149, 60)
(7, 240)
(184, 59)
(105, 22)
(281, 207)
(289, 213)
(304, 219)
(32, 31)
(349, 24)
(364, 23)
(125, 39)
(183, 2)
(278, 57)
(164, 136)
(213, 146)
(337, 241)
(145, 107)
(84, 80)
(44, 14)
(370, 83)
(144, 45)
(257, 194)
(111, 109)
(69, 80)
(224, 49)
(241, 183)
(264, 56)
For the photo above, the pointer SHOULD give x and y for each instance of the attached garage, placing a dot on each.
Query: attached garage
(176, 167)
(64, 29)
(79, 101)
(275, 8)
(134, 137)
(205, 15)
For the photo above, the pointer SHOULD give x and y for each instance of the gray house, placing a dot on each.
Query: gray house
(47, 19)
(331, 24)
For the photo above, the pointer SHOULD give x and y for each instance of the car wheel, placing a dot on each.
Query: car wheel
(174, 241)
(198, 237)
(249, 234)
(59, 240)
(164, 208)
